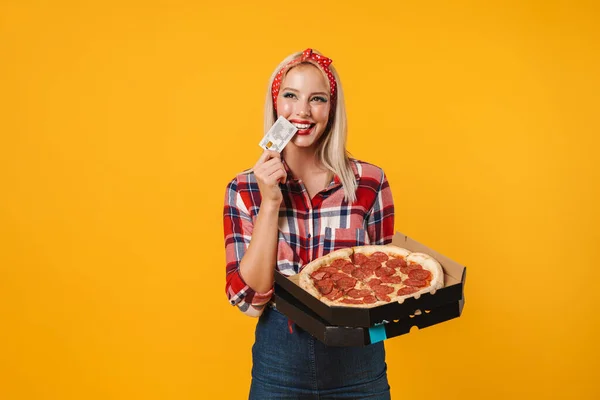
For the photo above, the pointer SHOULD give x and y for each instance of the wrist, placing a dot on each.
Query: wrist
(270, 206)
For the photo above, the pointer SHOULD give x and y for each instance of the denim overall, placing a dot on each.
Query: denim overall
(295, 365)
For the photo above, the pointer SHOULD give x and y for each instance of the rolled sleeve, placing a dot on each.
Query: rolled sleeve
(238, 228)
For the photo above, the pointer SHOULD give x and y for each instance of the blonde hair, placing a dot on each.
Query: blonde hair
(331, 151)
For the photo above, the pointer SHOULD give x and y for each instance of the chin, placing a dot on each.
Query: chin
(303, 143)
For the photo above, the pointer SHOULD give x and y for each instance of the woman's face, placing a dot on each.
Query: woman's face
(304, 101)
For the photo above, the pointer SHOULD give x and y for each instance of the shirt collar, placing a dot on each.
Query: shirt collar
(336, 179)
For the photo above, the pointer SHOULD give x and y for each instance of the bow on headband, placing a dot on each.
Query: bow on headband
(307, 55)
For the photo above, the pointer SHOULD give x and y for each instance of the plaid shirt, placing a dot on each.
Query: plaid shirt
(308, 228)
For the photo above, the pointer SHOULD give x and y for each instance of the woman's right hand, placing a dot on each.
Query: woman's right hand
(269, 171)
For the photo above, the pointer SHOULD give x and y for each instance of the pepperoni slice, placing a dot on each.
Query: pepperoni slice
(351, 301)
(338, 263)
(372, 265)
(368, 272)
(407, 290)
(318, 275)
(324, 286)
(331, 270)
(383, 289)
(379, 256)
(396, 263)
(374, 282)
(419, 274)
(359, 273)
(415, 283)
(337, 276)
(410, 267)
(348, 267)
(370, 299)
(346, 290)
(391, 279)
(335, 294)
(345, 283)
(383, 297)
(384, 271)
(359, 258)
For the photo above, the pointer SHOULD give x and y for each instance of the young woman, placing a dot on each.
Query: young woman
(290, 209)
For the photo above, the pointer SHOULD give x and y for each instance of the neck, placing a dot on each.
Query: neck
(302, 161)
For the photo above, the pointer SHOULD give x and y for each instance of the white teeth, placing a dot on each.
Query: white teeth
(301, 126)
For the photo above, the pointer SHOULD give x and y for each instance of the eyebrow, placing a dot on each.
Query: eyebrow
(312, 94)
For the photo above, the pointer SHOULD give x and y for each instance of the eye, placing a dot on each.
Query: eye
(320, 99)
(289, 95)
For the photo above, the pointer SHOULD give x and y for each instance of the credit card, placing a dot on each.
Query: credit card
(279, 135)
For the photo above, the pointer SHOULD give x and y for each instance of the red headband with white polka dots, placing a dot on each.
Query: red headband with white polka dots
(307, 55)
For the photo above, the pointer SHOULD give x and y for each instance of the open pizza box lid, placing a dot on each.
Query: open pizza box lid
(288, 289)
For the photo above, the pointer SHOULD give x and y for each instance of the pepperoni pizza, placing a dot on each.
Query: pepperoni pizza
(369, 276)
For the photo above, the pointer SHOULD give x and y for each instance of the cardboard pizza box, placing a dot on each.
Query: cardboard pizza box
(343, 336)
(451, 293)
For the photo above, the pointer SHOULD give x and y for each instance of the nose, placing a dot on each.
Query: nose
(303, 109)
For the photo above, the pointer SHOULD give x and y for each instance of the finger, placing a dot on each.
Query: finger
(277, 171)
(277, 176)
(271, 163)
(274, 154)
(272, 169)
(265, 169)
(267, 155)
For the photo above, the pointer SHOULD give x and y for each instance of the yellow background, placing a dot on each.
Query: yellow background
(121, 123)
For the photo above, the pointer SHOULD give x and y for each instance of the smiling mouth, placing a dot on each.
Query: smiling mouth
(302, 126)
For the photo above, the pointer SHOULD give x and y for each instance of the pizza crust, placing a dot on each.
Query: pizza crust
(432, 265)
(334, 304)
(363, 305)
(389, 249)
(305, 284)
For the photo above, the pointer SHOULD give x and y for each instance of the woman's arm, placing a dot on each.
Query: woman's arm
(251, 249)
